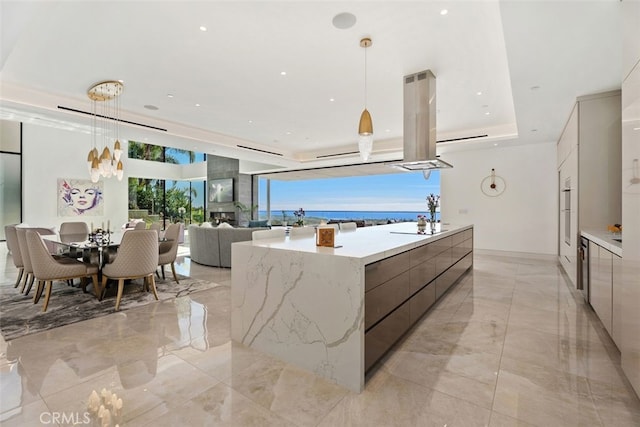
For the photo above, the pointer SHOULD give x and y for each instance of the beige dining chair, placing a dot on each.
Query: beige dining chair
(268, 234)
(28, 277)
(301, 232)
(156, 226)
(348, 226)
(16, 256)
(47, 269)
(137, 258)
(75, 231)
(140, 226)
(169, 250)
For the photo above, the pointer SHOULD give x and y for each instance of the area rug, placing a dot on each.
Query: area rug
(19, 316)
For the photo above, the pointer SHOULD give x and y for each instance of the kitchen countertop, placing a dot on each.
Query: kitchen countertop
(369, 244)
(604, 239)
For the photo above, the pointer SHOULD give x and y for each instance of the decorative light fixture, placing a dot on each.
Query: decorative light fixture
(365, 128)
(103, 163)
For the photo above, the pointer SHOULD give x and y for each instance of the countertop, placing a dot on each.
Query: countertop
(604, 239)
(369, 244)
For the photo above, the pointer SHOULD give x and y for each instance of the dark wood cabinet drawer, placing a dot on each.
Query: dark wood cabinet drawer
(422, 274)
(421, 254)
(382, 337)
(379, 272)
(422, 301)
(443, 261)
(383, 299)
(457, 238)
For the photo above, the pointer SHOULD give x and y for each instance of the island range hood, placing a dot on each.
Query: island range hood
(420, 123)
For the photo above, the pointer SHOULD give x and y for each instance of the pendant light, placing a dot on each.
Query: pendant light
(102, 162)
(365, 127)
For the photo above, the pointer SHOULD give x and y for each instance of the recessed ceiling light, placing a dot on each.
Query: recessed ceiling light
(479, 93)
(283, 73)
(288, 132)
(535, 87)
(444, 12)
(487, 113)
(331, 99)
(203, 28)
(495, 144)
(387, 130)
(150, 107)
(250, 121)
(169, 95)
(344, 20)
(197, 105)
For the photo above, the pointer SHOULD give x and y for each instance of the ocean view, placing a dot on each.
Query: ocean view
(378, 216)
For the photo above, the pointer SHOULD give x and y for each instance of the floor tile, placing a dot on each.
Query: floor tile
(512, 344)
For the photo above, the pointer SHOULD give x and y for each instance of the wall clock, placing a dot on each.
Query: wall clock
(493, 185)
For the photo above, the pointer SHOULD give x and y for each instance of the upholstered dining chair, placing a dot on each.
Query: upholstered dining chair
(301, 232)
(28, 276)
(16, 256)
(75, 231)
(47, 269)
(268, 234)
(169, 250)
(156, 226)
(348, 226)
(137, 258)
(140, 226)
(7, 239)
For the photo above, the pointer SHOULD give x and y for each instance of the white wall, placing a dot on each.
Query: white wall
(524, 217)
(49, 154)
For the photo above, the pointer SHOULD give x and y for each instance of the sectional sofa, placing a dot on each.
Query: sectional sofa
(212, 245)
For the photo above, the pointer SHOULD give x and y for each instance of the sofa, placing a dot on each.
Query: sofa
(212, 245)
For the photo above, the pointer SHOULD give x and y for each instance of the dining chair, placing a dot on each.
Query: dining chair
(7, 240)
(140, 226)
(268, 234)
(348, 226)
(47, 269)
(28, 276)
(137, 258)
(16, 256)
(169, 250)
(301, 232)
(75, 231)
(334, 226)
(156, 226)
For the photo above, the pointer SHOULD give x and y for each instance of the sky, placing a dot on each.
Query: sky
(390, 192)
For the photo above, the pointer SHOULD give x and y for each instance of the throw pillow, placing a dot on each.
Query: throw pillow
(206, 225)
(225, 225)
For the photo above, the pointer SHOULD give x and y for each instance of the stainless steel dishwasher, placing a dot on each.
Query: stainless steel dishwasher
(583, 268)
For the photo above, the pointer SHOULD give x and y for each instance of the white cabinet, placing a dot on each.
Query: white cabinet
(601, 291)
(617, 299)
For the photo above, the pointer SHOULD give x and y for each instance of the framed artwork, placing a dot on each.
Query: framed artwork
(80, 197)
(221, 190)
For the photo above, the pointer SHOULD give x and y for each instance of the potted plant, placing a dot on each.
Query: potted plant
(244, 209)
(299, 217)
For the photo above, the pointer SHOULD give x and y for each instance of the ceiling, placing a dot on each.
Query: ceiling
(510, 70)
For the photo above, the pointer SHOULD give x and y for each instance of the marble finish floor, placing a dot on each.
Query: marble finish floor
(510, 345)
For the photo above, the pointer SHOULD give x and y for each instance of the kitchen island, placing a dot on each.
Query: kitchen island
(336, 311)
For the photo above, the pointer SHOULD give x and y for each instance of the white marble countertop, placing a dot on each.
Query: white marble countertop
(369, 244)
(604, 239)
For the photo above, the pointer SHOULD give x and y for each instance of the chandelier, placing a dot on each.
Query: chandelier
(100, 160)
(365, 127)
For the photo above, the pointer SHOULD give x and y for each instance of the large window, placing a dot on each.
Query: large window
(374, 199)
(166, 200)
